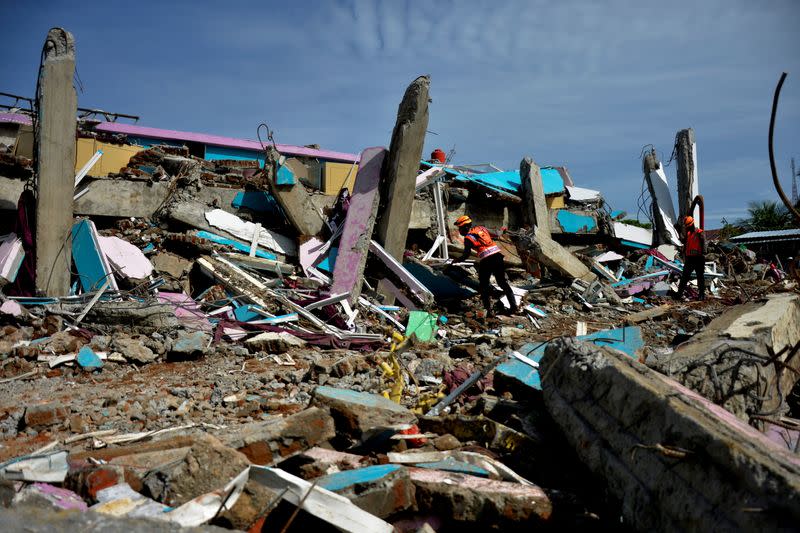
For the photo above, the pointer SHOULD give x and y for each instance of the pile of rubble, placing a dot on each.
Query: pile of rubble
(229, 346)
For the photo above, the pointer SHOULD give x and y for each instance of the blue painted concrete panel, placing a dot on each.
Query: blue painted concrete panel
(260, 201)
(240, 246)
(576, 223)
(628, 340)
(634, 244)
(348, 478)
(216, 153)
(285, 176)
(87, 257)
(363, 399)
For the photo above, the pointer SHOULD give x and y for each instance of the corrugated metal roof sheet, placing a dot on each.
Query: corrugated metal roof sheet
(767, 235)
(510, 182)
(157, 133)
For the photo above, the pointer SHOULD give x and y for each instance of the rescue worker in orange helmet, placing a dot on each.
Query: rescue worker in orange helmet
(490, 261)
(694, 259)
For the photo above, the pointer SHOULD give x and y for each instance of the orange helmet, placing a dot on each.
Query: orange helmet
(463, 220)
(688, 221)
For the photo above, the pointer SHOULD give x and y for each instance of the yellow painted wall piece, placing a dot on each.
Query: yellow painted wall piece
(336, 176)
(555, 202)
(115, 156)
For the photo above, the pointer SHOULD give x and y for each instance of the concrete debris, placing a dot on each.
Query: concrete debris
(674, 459)
(256, 335)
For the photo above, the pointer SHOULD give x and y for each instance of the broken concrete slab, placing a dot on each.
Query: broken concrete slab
(206, 467)
(126, 259)
(401, 168)
(551, 254)
(382, 490)
(189, 345)
(154, 316)
(133, 350)
(348, 272)
(356, 413)
(324, 462)
(466, 498)
(264, 443)
(171, 264)
(518, 375)
(746, 360)
(675, 460)
(274, 342)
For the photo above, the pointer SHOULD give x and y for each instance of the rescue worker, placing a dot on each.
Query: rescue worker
(694, 259)
(490, 262)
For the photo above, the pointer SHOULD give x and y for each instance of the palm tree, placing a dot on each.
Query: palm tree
(766, 215)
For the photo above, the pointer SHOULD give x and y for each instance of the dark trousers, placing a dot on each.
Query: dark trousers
(694, 264)
(494, 265)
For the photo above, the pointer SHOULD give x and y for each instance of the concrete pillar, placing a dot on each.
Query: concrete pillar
(686, 157)
(55, 164)
(401, 167)
(534, 203)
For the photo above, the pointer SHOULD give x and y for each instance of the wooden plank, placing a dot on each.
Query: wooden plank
(648, 314)
(258, 263)
(358, 226)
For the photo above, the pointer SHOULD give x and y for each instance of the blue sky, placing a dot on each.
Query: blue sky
(584, 84)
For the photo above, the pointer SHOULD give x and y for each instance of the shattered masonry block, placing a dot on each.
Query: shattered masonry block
(358, 412)
(46, 414)
(264, 442)
(274, 342)
(468, 498)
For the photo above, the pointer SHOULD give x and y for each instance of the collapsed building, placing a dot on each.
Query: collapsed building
(199, 329)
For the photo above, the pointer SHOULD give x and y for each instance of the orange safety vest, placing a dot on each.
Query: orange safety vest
(482, 242)
(694, 244)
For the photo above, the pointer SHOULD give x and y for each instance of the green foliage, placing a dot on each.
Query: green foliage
(634, 222)
(729, 230)
(765, 216)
